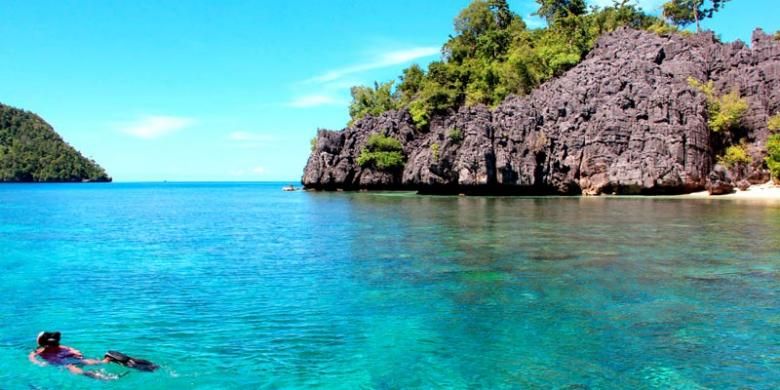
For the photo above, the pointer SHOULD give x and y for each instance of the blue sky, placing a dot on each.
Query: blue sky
(227, 90)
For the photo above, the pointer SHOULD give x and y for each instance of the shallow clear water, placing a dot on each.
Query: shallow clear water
(246, 286)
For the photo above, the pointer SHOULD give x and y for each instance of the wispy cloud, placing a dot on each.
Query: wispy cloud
(331, 85)
(390, 58)
(151, 127)
(315, 101)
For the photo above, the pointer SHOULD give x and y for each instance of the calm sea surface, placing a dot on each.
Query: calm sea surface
(246, 286)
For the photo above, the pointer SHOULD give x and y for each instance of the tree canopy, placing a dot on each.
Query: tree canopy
(30, 151)
(685, 12)
(493, 54)
(555, 9)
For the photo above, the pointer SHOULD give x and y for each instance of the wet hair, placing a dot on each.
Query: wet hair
(49, 339)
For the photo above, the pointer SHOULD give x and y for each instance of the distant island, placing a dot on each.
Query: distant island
(602, 101)
(31, 151)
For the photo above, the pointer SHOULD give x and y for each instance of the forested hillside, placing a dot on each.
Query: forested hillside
(31, 151)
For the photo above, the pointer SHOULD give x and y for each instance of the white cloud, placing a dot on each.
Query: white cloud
(258, 170)
(646, 5)
(391, 58)
(152, 127)
(316, 100)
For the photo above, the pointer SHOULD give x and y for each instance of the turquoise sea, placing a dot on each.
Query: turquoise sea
(244, 286)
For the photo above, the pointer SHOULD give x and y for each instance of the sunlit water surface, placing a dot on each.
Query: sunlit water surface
(246, 286)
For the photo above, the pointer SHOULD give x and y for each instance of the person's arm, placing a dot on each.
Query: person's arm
(34, 359)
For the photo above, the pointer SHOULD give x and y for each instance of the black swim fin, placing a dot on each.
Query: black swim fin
(127, 361)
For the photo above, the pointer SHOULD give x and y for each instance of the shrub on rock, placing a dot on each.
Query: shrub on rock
(773, 156)
(381, 152)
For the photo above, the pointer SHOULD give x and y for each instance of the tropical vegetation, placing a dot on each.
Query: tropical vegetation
(685, 12)
(494, 54)
(735, 155)
(381, 152)
(773, 124)
(30, 151)
(725, 111)
(773, 156)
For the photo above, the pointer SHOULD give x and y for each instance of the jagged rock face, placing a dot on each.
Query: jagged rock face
(623, 121)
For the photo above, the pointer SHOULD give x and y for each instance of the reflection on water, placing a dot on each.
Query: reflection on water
(244, 286)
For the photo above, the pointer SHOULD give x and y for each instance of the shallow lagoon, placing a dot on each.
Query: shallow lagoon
(246, 286)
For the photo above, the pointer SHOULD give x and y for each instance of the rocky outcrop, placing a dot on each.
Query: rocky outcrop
(623, 121)
(719, 181)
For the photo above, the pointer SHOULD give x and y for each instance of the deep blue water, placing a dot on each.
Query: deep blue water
(246, 286)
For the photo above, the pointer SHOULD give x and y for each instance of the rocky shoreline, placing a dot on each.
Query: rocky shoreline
(624, 121)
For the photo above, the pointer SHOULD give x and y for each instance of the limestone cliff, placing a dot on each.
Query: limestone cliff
(623, 121)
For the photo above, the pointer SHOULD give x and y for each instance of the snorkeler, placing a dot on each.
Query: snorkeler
(51, 352)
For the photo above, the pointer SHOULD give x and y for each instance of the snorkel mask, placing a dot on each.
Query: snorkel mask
(49, 339)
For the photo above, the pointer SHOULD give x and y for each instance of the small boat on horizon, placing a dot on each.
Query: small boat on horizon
(289, 188)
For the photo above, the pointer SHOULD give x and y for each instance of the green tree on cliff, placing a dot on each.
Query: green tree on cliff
(411, 82)
(493, 54)
(555, 9)
(371, 101)
(685, 12)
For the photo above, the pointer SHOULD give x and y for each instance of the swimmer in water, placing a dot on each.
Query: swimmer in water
(50, 351)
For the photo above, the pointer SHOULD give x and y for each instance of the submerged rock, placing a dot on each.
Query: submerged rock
(623, 121)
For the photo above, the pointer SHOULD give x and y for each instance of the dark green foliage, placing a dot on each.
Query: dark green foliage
(382, 152)
(685, 12)
(455, 135)
(411, 83)
(556, 9)
(30, 151)
(773, 156)
(493, 55)
(371, 101)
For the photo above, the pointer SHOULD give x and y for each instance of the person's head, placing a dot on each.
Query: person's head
(49, 339)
